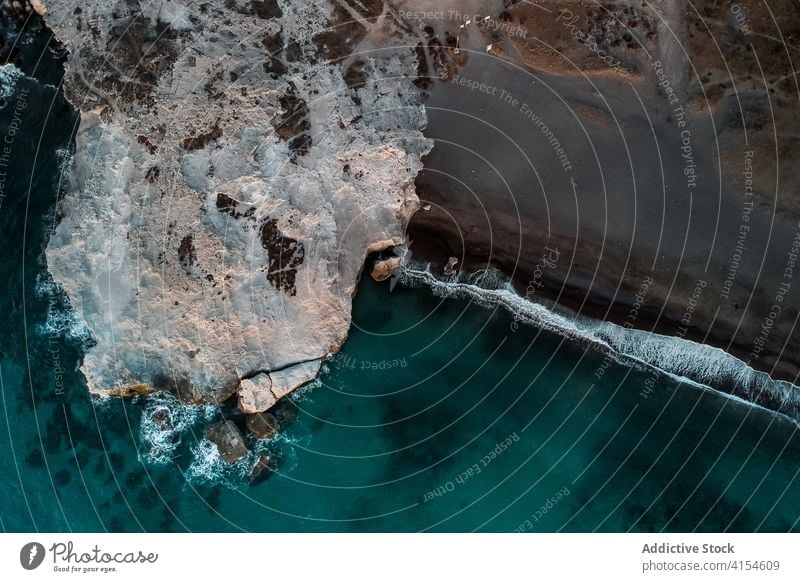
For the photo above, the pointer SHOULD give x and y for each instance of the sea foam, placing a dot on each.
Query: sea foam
(62, 320)
(684, 360)
(9, 75)
(208, 466)
(166, 421)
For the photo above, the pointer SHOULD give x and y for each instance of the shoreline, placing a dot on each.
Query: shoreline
(606, 336)
(673, 178)
(589, 303)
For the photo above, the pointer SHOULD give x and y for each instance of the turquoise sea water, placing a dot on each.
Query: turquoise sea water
(435, 416)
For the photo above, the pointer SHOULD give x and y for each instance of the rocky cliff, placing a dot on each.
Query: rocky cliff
(235, 163)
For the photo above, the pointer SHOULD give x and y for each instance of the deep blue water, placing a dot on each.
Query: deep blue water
(510, 428)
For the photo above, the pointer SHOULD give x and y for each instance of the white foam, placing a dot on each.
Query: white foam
(65, 159)
(61, 320)
(9, 75)
(208, 466)
(304, 392)
(682, 359)
(165, 421)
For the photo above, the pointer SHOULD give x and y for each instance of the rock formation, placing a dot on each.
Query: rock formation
(450, 268)
(228, 439)
(235, 163)
(383, 269)
(262, 464)
(262, 424)
(265, 389)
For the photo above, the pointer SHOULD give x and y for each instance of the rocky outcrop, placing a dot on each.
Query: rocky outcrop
(255, 395)
(262, 424)
(261, 392)
(23, 9)
(228, 183)
(228, 439)
(288, 379)
(450, 268)
(383, 269)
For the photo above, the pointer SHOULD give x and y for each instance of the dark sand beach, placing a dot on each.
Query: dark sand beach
(636, 173)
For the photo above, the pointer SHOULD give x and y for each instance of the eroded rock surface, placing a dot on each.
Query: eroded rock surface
(255, 395)
(383, 269)
(261, 392)
(262, 424)
(228, 439)
(228, 182)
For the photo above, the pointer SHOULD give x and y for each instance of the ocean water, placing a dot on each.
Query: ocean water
(438, 414)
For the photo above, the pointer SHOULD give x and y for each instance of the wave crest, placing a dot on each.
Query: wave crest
(682, 359)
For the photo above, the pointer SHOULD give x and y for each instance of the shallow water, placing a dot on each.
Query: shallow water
(436, 415)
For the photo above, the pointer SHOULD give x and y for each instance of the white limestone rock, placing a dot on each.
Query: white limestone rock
(287, 380)
(255, 395)
(227, 186)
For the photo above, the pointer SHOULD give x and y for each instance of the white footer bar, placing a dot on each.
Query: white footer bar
(400, 557)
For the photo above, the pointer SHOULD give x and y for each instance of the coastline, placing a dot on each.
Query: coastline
(422, 390)
(604, 287)
(236, 189)
(671, 176)
(689, 362)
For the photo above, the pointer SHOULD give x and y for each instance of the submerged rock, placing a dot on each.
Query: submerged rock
(228, 439)
(262, 424)
(262, 465)
(285, 412)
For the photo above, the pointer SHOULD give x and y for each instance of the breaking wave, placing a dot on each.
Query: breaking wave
(9, 75)
(208, 466)
(165, 421)
(684, 360)
(170, 428)
(66, 159)
(62, 320)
